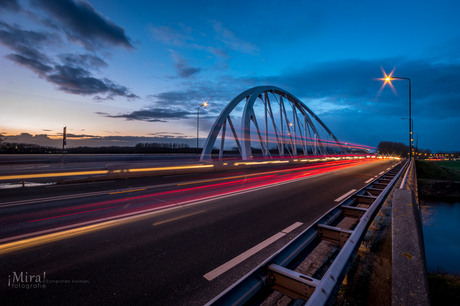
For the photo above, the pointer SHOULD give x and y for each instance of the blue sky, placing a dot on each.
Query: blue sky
(123, 72)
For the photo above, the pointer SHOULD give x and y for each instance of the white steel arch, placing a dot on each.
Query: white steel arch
(304, 131)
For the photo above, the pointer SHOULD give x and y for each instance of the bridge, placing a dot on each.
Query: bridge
(296, 130)
(215, 231)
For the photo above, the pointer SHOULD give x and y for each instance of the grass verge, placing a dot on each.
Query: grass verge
(444, 289)
(449, 164)
(435, 171)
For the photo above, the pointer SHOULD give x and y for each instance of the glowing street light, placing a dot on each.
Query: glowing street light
(388, 78)
(204, 104)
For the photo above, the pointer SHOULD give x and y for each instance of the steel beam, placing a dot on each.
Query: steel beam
(234, 134)
(222, 140)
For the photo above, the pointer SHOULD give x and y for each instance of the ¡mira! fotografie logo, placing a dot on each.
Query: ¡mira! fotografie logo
(27, 281)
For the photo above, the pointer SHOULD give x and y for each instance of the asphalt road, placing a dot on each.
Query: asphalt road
(176, 230)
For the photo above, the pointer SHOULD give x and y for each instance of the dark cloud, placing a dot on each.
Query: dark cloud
(25, 42)
(11, 5)
(165, 133)
(36, 66)
(79, 81)
(82, 60)
(72, 77)
(184, 70)
(39, 139)
(70, 135)
(82, 23)
(152, 115)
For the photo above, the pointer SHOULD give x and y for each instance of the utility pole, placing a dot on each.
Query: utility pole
(64, 142)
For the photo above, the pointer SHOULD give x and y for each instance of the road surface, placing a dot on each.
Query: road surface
(177, 240)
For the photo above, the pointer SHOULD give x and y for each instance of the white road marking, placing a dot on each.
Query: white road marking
(292, 227)
(382, 172)
(369, 180)
(345, 195)
(230, 264)
(240, 258)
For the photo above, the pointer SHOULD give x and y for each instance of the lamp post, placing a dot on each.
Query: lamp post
(388, 79)
(198, 121)
(412, 126)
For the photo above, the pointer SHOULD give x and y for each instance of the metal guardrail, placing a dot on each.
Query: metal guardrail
(403, 183)
(339, 268)
(276, 272)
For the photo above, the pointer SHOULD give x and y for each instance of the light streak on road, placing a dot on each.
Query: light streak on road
(96, 172)
(35, 241)
(211, 187)
(157, 201)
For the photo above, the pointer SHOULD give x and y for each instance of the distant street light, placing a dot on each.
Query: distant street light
(412, 125)
(388, 79)
(205, 104)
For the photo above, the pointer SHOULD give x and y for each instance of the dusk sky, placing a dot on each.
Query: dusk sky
(122, 72)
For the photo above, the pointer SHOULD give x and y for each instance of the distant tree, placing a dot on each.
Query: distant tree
(393, 148)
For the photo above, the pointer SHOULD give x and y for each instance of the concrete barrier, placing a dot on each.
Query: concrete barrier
(409, 276)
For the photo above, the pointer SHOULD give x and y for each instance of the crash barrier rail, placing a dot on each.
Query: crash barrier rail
(277, 274)
(403, 183)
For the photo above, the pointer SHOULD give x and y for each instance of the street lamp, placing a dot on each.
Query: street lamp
(388, 79)
(205, 104)
(412, 126)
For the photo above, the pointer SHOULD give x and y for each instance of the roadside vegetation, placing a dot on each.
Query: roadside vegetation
(436, 182)
(449, 164)
(438, 170)
(444, 289)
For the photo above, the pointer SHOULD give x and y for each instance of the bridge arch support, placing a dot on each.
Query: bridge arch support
(289, 126)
